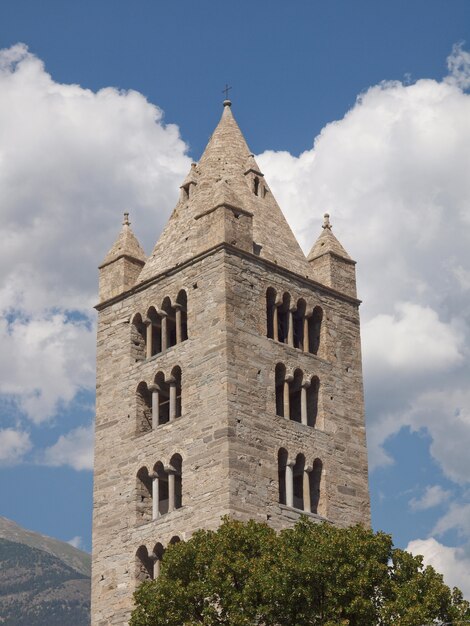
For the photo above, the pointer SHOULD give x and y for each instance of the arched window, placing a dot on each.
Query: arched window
(175, 395)
(280, 378)
(168, 324)
(154, 330)
(176, 483)
(256, 185)
(314, 330)
(181, 316)
(143, 565)
(144, 496)
(312, 401)
(157, 555)
(160, 490)
(316, 488)
(138, 337)
(298, 321)
(143, 409)
(295, 397)
(283, 319)
(174, 540)
(281, 470)
(298, 479)
(271, 313)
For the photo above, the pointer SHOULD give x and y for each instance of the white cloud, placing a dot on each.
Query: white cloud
(76, 542)
(14, 444)
(411, 339)
(74, 449)
(452, 563)
(71, 161)
(433, 495)
(393, 174)
(456, 518)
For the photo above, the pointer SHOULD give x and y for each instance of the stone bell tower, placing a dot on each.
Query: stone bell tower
(229, 376)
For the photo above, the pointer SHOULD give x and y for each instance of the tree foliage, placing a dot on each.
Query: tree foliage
(246, 574)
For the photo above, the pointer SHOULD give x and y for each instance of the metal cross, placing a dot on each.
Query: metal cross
(226, 90)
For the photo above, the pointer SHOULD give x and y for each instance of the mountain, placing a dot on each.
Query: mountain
(43, 581)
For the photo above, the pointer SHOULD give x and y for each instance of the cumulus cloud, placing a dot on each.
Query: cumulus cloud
(393, 174)
(433, 495)
(74, 449)
(76, 542)
(71, 161)
(14, 444)
(452, 563)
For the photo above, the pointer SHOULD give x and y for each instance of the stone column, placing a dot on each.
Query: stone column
(275, 324)
(290, 483)
(172, 409)
(156, 567)
(149, 338)
(306, 339)
(287, 381)
(303, 403)
(164, 331)
(155, 391)
(306, 488)
(171, 488)
(179, 330)
(290, 332)
(155, 496)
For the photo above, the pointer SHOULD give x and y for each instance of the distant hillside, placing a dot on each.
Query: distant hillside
(78, 560)
(39, 588)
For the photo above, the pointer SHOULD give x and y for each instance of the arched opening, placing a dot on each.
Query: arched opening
(175, 539)
(169, 325)
(283, 319)
(143, 496)
(315, 487)
(298, 321)
(162, 476)
(280, 377)
(298, 472)
(270, 306)
(176, 376)
(143, 565)
(256, 185)
(143, 409)
(295, 396)
(314, 330)
(138, 337)
(281, 470)
(163, 399)
(157, 554)
(312, 401)
(182, 302)
(154, 319)
(176, 464)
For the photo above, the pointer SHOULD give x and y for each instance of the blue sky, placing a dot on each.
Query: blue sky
(104, 91)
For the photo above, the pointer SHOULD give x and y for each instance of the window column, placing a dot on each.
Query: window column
(155, 391)
(155, 496)
(172, 384)
(287, 382)
(275, 323)
(290, 330)
(306, 486)
(179, 330)
(303, 403)
(170, 470)
(149, 337)
(306, 337)
(164, 331)
(290, 483)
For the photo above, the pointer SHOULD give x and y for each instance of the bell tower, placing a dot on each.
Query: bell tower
(229, 376)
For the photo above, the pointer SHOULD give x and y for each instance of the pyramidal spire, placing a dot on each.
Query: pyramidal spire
(330, 264)
(125, 245)
(226, 183)
(123, 263)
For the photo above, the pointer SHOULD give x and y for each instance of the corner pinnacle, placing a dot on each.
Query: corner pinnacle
(326, 221)
(126, 220)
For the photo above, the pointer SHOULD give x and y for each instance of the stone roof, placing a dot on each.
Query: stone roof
(327, 243)
(125, 245)
(225, 173)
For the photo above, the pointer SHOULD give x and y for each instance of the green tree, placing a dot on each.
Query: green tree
(246, 574)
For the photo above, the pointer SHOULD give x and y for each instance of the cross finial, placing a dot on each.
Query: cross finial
(225, 91)
(126, 220)
(326, 221)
